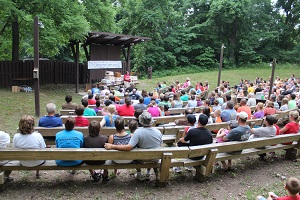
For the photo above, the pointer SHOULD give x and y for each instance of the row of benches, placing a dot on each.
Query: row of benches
(169, 156)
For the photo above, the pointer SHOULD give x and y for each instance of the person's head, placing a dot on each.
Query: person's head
(285, 101)
(166, 98)
(242, 116)
(250, 95)
(84, 102)
(26, 125)
(119, 123)
(293, 185)
(193, 97)
(90, 96)
(182, 92)
(94, 128)
(232, 124)
(270, 104)
(98, 103)
(216, 102)
(206, 111)
(141, 99)
(112, 98)
(227, 97)
(97, 98)
(203, 119)
(188, 111)
(79, 110)
(217, 113)
(134, 91)
(206, 102)
(270, 119)
(146, 119)
(68, 98)
(70, 123)
(132, 125)
(166, 107)
(111, 109)
(176, 96)
(107, 102)
(137, 113)
(294, 115)
(260, 106)
(150, 94)
(292, 96)
(128, 101)
(243, 102)
(191, 119)
(50, 108)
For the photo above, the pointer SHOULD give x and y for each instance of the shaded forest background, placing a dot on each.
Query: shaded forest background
(186, 34)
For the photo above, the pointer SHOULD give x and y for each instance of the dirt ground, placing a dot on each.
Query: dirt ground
(248, 177)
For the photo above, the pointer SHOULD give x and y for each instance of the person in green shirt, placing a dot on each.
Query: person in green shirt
(184, 96)
(292, 103)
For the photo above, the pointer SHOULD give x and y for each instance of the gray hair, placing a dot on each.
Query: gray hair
(50, 108)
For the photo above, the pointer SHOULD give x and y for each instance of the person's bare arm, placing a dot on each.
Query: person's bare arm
(182, 140)
(109, 146)
(281, 131)
(111, 139)
(103, 121)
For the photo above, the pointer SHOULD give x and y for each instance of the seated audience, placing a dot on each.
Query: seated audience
(154, 110)
(95, 140)
(259, 114)
(109, 120)
(140, 105)
(50, 120)
(69, 105)
(120, 138)
(176, 103)
(87, 111)
(79, 119)
(91, 100)
(284, 104)
(98, 108)
(244, 107)
(28, 139)
(192, 102)
(127, 109)
(69, 138)
(251, 100)
(293, 125)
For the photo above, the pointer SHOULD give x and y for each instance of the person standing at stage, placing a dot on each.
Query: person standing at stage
(127, 79)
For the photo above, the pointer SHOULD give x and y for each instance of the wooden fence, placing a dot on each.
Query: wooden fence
(51, 72)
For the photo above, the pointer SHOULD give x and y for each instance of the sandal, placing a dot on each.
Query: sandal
(96, 177)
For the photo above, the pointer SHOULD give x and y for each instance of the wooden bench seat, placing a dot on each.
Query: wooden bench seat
(169, 156)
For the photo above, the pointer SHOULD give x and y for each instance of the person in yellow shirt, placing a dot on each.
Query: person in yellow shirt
(251, 88)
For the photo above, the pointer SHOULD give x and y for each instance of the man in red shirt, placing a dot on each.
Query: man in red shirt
(127, 109)
(80, 120)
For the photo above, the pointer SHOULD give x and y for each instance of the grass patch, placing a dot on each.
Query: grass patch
(277, 187)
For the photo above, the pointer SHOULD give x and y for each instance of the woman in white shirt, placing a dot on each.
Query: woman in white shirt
(28, 139)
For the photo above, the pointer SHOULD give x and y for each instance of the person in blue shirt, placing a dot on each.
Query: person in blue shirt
(69, 138)
(50, 120)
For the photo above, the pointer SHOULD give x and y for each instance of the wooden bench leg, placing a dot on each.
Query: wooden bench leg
(291, 154)
(164, 172)
(3, 181)
(204, 170)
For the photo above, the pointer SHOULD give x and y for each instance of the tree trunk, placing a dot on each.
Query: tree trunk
(15, 37)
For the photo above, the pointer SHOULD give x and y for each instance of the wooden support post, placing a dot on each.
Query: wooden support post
(210, 160)
(164, 171)
(202, 171)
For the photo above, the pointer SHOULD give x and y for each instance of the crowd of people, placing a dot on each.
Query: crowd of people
(145, 105)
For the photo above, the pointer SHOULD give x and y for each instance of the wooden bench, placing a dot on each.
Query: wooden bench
(169, 156)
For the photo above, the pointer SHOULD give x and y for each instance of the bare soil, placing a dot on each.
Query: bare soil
(249, 176)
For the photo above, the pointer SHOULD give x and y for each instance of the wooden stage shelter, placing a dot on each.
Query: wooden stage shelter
(102, 46)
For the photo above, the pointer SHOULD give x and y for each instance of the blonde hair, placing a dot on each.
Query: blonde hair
(260, 105)
(295, 115)
(111, 109)
(270, 104)
(285, 101)
(217, 112)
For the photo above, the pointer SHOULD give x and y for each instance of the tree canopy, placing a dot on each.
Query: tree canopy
(185, 33)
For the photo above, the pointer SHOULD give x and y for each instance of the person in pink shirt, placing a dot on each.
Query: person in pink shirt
(154, 110)
(244, 107)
